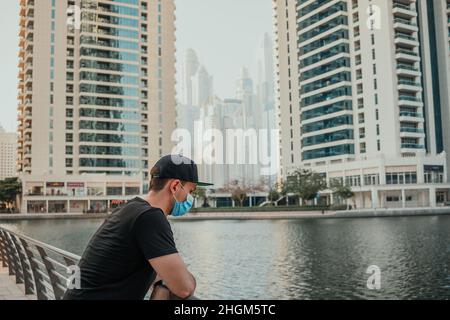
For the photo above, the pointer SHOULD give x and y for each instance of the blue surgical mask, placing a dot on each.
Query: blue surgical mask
(181, 208)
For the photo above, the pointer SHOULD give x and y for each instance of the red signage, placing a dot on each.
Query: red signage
(75, 185)
(55, 184)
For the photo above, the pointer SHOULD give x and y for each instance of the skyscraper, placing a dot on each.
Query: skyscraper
(265, 70)
(8, 153)
(265, 95)
(365, 115)
(202, 87)
(189, 68)
(96, 98)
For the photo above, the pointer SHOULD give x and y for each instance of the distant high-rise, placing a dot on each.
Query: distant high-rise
(265, 98)
(189, 68)
(362, 96)
(8, 153)
(96, 97)
(265, 70)
(202, 87)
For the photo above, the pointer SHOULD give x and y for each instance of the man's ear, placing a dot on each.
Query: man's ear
(173, 185)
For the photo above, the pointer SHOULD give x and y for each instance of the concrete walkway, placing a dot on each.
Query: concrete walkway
(9, 290)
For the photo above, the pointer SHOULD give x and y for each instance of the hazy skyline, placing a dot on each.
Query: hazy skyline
(224, 33)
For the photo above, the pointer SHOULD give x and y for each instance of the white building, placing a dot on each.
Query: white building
(8, 154)
(367, 112)
(96, 98)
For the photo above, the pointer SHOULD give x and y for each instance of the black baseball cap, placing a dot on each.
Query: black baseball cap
(177, 167)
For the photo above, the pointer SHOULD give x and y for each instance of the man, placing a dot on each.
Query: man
(135, 245)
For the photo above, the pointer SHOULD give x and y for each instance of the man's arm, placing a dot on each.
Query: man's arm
(173, 271)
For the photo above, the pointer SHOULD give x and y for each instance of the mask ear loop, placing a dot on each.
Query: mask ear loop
(173, 195)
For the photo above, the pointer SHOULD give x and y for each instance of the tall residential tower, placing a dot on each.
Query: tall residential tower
(358, 80)
(96, 99)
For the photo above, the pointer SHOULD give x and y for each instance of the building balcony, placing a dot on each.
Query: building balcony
(409, 86)
(407, 55)
(412, 146)
(407, 25)
(409, 83)
(408, 103)
(406, 40)
(407, 70)
(411, 116)
(411, 130)
(404, 11)
(409, 98)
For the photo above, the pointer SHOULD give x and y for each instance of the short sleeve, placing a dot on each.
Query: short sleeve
(154, 235)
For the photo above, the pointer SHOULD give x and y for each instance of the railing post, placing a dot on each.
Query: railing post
(18, 272)
(38, 278)
(26, 267)
(3, 250)
(8, 254)
(57, 292)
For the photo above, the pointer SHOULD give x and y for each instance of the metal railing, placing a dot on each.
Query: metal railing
(43, 269)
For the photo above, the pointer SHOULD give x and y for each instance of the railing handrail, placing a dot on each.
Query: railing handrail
(44, 245)
(35, 264)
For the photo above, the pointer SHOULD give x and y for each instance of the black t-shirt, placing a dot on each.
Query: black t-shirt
(115, 263)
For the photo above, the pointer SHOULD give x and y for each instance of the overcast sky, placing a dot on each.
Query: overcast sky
(224, 33)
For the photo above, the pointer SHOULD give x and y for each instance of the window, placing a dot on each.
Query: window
(371, 179)
(401, 178)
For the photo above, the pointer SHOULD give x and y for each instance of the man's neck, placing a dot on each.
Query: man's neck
(158, 201)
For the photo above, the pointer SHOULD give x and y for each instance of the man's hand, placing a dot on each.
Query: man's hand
(160, 293)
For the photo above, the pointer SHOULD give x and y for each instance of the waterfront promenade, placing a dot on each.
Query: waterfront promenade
(9, 290)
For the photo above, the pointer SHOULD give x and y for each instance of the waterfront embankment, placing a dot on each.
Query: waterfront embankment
(257, 215)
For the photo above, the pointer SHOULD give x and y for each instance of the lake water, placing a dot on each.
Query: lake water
(296, 259)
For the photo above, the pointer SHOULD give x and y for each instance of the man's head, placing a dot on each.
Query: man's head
(173, 179)
(171, 186)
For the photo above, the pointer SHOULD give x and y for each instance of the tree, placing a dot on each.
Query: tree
(238, 191)
(200, 193)
(273, 196)
(342, 191)
(306, 184)
(9, 189)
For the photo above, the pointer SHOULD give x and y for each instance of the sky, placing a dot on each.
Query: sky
(224, 33)
(9, 38)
